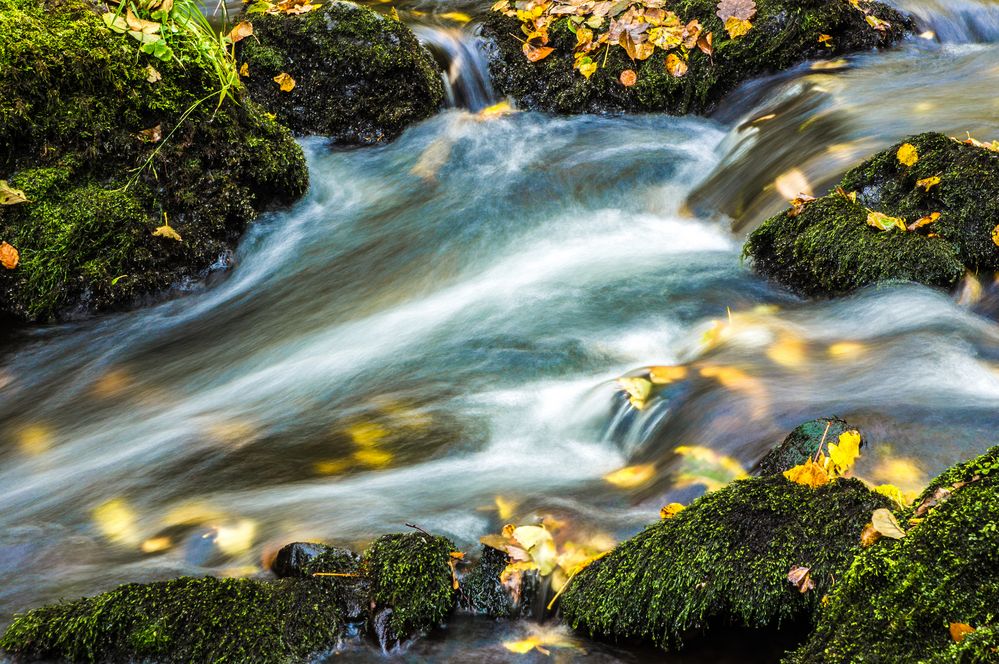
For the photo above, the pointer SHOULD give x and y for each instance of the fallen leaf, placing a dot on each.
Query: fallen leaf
(117, 521)
(928, 183)
(141, 25)
(665, 375)
(924, 221)
(893, 492)
(9, 256)
(877, 23)
(740, 9)
(11, 196)
(153, 76)
(168, 232)
(908, 155)
(995, 231)
(240, 31)
(736, 27)
(536, 53)
(285, 82)
(676, 65)
(826, 40)
(630, 477)
(628, 78)
(843, 454)
(638, 389)
(801, 578)
(810, 473)
(850, 196)
(885, 523)
(869, 535)
(151, 135)
(706, 44)
(883, 222)
(670, 511)
(798, 204)
(960, 630)
(587, 67)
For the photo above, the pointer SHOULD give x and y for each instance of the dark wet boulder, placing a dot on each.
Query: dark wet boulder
(897, 601)
(360, 77)
(108, 144)
(482, 592)
(829, 248)
(803, 443)
(292, 559)
(784, 33)
(724, 561)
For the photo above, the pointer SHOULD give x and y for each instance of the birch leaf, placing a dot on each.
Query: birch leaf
(886, 524)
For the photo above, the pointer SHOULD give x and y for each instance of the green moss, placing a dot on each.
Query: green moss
(785, 32)
(410, 575)
(185, 620)
(802, 444)
(896, 601)
(482, 592)
(724, 560)
(829, 249)
(73, 99)
(967, 196)
(360, 76)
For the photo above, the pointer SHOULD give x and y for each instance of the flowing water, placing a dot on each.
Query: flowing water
(436, 329)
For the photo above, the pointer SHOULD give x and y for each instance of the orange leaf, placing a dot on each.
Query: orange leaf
(628, 78)
(675, 65)
(960, 630)
(535, 53)
(9, 257)
(241, 31)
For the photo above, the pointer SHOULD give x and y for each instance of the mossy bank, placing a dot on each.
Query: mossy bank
(99, 145)
(784, 33)
(899, 599)
(401, 587)
(360, 77)
(829, 248)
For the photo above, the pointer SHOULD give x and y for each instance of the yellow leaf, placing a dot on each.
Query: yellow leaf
(666, 375)
(826, 40)
(676, 65)
(457, 17)
(538, 542)
(892, 492)
(285, 82)
(367, 434)
(237, 538)
(737, 27)
(885, 523)
(908, 155)
(35, 439)
(788, 351)
(960, 630)
(9, 256)
(523, 646)
(845, 453)
(810, 474)
(240, 31)
(850, 196)
(995, 232)
(244, 70)
(846, 350)
(373, 458)
(877, 23)
(630, 477)
(168, 232)
(638, 389)
(496, 110)
(793, 184)
(331, 466)
(117, 521)
(11, 196)
(702, 465)
(884, 222)
(394, 15)
(670, 511)
(587, 67)
(928, 183)
(505, 508)
(924, 221)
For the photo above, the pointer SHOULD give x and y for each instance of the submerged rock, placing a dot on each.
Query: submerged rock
(802, 444)
(897, 601)
(724, 560)
(401, 587)
(784, 33)
(829, 248)
(360, 77)
(96, 141)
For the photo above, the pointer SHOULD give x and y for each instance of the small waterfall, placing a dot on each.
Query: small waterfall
(957, 21)
(466, 72)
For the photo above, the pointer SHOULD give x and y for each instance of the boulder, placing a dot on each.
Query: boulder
(802, 444)
(109, 144)
(783, 34)
(360, 77)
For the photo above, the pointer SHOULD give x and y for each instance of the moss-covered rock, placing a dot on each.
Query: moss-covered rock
(829, 249)
(802, 444)
(185, 620)
(784, 33)
(724, 560)
(74, 99)
(482, 592)
(360, 77)
(897, 600)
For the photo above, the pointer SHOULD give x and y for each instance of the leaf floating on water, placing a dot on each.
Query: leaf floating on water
(628, 78)
(928, 183)
(801, 578)
(117, 521)
(960, 630)
(843, 454)
(665, 375)
(11, 196)
(883, 222)
(885, 523)
(541, 641)
(671, 510)
(908, 155)
(702, 465)
(285, 82)
(240, 31)
(630, 477)
(497, 110)
(810, 473)
(676, 66)
(9, 256)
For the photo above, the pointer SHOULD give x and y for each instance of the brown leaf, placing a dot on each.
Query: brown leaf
(9, 257)
(152, 75)
(140, 24)
(151, 135)
(628, 78)
(869, 535)
(706, 44)
(240, 31)
(886, 524)
(798, 204)
(285, 82)
(801, 578)
(744, 10)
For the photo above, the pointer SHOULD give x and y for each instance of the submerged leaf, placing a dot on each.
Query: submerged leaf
(630, 477)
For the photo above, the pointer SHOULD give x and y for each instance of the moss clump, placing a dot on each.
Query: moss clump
(802, 444)
(185, 620)
(361, 77)
(482, 592)
(411, 583)
(829, 249)
(724, 560)
(896, 601)
(784, 33)
(74, 98)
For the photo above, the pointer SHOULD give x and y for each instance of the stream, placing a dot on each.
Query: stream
(433, 334)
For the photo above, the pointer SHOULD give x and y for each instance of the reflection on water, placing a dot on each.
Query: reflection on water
(440, 323)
